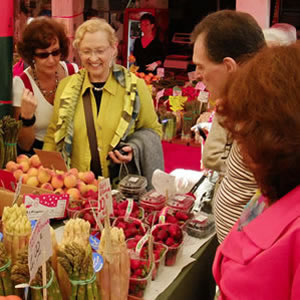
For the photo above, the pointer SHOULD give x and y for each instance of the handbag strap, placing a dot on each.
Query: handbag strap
(96, 164)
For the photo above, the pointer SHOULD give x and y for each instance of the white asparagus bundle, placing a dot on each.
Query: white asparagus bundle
(114, 277)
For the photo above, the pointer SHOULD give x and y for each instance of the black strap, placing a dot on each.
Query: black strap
(95, 164)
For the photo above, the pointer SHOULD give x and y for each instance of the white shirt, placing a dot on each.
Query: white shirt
(44, 109)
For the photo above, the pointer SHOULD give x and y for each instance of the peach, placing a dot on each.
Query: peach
(18, 173)
(25, 178)
(35, 161)
(47, 186)
(32, 181)
(92, 187)
(43, 175)
(24, 166)
(95, 182)
(59, 191)
(70, 181)
(81, 186)
(88, 177)
(33, 171)
(22, 157)
(11, 166)
(81, 175)
(57, 181)
(73, 171)
(74, 193)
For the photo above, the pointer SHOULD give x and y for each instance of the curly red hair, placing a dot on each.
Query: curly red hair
(261, 110)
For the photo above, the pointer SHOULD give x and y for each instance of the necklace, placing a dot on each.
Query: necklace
(98, 86)
(46, 93)
(98, 89)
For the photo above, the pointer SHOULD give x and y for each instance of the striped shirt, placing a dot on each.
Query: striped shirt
(236, 189)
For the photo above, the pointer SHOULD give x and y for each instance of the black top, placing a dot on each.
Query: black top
(98, 94)
(144, 56)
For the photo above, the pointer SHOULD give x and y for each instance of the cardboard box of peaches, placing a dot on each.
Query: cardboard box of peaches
(43, 173)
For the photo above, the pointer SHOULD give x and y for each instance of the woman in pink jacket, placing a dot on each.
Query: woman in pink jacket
(260, 258)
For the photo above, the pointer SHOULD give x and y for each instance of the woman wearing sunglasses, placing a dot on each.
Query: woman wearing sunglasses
(43, 45)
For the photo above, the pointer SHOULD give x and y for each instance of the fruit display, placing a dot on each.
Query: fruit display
(159, 252)
(130, 226)
(133, 186)
(16, 229)
(129, 208)
(140, 275)
(201, 225)
(172, 236)
(114, 277)
(20, 274)
(168, 216)
(181, 202)
(149, 78)
(76, 184)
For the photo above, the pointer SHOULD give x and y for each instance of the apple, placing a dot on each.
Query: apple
(43, 175)
(82, 187)
(70, 180)
(59, 191)
(91, 187)
(88, 177)
(73, 171)
(22, 157)
(74, 193)
(47, 186)
(33, 171)
(35, 161)
(57, 181)
(24, 166)
(11, 166)
(18, 173)
(32, 181)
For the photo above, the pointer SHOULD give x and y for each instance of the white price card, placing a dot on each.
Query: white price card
(55, 205)
(40, 246)
(104, 196)
(203, 96)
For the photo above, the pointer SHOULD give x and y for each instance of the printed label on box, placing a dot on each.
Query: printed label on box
(55, 205)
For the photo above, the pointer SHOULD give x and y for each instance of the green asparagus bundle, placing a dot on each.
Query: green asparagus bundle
(20, 274)
(6, 287)
(11, 129)
(2, 148)
(77, 262)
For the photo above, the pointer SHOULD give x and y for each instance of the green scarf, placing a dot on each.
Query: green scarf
(63, 135)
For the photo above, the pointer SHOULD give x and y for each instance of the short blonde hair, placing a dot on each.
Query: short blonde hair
(94, 25)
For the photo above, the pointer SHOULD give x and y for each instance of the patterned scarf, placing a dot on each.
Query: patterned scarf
(64, 129)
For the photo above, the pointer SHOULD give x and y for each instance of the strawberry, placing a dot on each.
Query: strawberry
(162, 235)
(171, 219)
(88, 217)
(175, 231)
(134, 264)
(169, 242)
(181, 216)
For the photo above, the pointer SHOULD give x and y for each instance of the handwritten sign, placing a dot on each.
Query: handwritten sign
(203, 96)
(160, 72)
(55, 205)
(40, 246)
(104, 196)
(200, 86)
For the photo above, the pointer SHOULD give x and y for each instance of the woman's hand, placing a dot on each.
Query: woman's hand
(28, 104)
(118, 158)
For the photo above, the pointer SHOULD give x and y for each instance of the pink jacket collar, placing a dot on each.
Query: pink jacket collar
(264, 230)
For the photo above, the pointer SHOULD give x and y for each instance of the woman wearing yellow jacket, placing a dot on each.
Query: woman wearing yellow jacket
(121, 109)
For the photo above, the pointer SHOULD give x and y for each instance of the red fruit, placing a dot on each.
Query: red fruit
(181, 216)
(134, 264)
(171, 219)
(122, 212)
(123, 205)
(115, 205)
(121, 225)
(137, 237)
(169, 242)
(138, 273)
(130, 232)
(174, 230)
(162, 235)
(88, 217)
(131, 244)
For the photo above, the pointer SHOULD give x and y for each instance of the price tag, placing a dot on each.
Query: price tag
(129, 208)
(104, 196)
(203, 96)
(98, 262)
(40, 246)
(94, 242)
(160, 72)
(133, 179)
(200, 86)
(18, 190)
(139, 246)
(55, 205)
(177, 91)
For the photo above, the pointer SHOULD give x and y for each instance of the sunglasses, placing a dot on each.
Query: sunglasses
(46, 54)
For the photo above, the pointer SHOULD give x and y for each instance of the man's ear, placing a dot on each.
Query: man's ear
(230, 64)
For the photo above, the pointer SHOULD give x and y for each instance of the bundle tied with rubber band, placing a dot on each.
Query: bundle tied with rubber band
(75, 263)
(6, 286)
(20, 275)
(113, 279)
